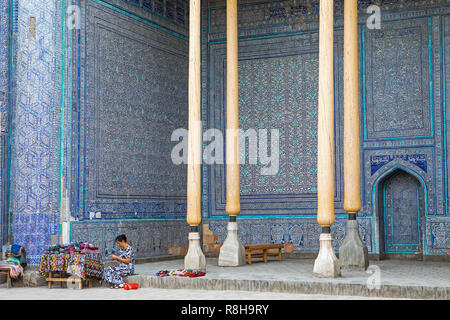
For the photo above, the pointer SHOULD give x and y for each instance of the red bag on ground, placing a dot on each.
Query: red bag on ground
(130, 286)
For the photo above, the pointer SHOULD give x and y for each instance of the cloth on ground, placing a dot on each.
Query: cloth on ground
(191, 273)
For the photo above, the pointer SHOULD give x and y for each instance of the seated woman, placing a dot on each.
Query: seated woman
(115, 274)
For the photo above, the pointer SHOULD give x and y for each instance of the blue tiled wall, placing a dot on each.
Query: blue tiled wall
(404, 75)
(130, 93)
(97, 106)
(4, 109)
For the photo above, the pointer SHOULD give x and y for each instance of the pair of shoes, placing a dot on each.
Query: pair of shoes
(117, 286)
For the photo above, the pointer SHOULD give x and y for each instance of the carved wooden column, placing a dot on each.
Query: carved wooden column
(232, 253)
(326, 264)
(195, 259)
(353, 253)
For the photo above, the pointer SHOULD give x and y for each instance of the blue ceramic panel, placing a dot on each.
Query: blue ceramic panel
(446, 104)
(149, 238)
(5, 71)
(135, 96)
(4, 109)
(402, 113)
(35, 122)
(403, 207)
(303, 234)
(438, 233)
(397, 69)
(278, 81)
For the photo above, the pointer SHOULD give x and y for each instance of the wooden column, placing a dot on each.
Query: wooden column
(325, 149)
(194, 259)
(353, 253)
(232, 252)
(233, 205)
(195, 129)
(352, 167)
(326, 263)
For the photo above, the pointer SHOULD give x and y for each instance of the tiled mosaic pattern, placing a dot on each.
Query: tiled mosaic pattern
(35, 140)
(278, 90)
(132, 102)
(401, 131)
(148, 238)
(4, 109)
(403, 213)
(398, 94)
(302, 233)
(125, 40)
(4, 62)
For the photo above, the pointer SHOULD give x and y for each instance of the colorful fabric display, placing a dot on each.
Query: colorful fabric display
(71, 259)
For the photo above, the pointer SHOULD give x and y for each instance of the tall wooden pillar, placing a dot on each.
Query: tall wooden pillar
(353, 253)
(195, 258)
(326, 264)
(232, 253)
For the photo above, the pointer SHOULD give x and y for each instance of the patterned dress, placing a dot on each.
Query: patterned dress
(115, 274)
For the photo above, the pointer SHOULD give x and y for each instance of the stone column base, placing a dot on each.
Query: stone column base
(232, 252)
(195, 259)
(327, 264)
(353, 253)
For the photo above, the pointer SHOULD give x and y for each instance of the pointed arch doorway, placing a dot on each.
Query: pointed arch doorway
(401, 212)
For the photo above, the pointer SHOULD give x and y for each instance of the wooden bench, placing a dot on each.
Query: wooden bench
(50, 279)
(6, 271)
(261, 250)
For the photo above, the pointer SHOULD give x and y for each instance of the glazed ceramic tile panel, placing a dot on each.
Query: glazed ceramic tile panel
(278, 90)
(403, 73)
(148, 238)
(133, 95)
(35, 126)
(135, 90)
(4, 109)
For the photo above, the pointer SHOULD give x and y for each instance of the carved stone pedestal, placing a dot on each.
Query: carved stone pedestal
(353, 254)
(232, 252)
(327, 264)
(195, 259)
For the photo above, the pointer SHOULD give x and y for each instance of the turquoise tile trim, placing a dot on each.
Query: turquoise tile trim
(62, 106)
(363, 58)
(431, 68)
(444, 113)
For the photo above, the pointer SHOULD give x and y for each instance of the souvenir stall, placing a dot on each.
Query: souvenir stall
(72, 263)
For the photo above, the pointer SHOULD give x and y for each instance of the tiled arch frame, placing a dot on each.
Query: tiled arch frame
(398, 165)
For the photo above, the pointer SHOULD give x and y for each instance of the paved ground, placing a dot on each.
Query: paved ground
(43, 293)
(388, 272)
(409, 277)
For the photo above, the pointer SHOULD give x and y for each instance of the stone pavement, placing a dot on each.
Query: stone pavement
(43, 293)
(288, 279)
(387, 278)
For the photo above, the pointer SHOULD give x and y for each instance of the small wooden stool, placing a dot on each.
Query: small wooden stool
(62, 279)
(6, 270)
